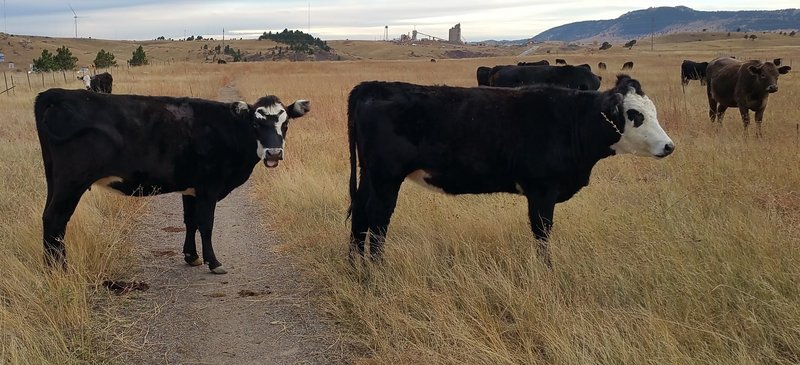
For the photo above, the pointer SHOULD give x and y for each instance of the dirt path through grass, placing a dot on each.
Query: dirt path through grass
(258, 313)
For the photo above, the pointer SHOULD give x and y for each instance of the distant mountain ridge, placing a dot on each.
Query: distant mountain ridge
(663, 20)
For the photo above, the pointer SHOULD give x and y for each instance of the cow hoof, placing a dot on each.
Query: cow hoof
(193, 260)
(218, 270)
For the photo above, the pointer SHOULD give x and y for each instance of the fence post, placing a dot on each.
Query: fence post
(54, 78)
(6, 80)
(65, 75)
(28, 75)
(12, 84)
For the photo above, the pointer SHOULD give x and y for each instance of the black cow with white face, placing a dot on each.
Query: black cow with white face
(540, 142)
(145, 145)
(573, 77)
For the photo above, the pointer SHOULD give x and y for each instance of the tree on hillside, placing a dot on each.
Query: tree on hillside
(792, 33)
(605, 46)
(630, 44)
(64, 59)
(46, 62)
(753, 37)
(139, 57)
(104, 59)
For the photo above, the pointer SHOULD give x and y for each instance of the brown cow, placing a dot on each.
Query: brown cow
(746, 85)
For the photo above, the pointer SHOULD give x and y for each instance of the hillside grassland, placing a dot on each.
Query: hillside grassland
(690, 259)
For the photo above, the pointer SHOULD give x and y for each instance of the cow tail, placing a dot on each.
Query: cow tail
(352, 137)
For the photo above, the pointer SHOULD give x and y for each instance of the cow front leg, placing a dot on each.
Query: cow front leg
(759, 118)
(380, 207)
(204, 208)
(61, 203)
(190, 220)
(745, 117)
(540, 213)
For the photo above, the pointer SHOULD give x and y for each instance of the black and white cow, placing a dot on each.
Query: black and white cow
(145, 145)
(99, 83)
(540, 142)
(574, 77)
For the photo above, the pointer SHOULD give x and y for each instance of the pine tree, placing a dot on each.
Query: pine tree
(64, 60)
(104, 59)
(46, 62)
(139, 58)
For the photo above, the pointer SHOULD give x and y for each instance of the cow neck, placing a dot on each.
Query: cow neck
(596, 134)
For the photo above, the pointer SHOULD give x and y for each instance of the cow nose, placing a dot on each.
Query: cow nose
(772, 88)
(274, 154)
(669, 148)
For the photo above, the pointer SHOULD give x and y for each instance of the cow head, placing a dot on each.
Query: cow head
(765, 76)
(271, 122)
(634, 117)
(87, 80)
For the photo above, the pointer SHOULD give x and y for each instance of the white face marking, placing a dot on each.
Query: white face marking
(87, 80)
(274, 109)
(106, 182)
(648, 139)
(419, 177)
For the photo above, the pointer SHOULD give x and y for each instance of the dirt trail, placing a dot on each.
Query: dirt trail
(259, 313)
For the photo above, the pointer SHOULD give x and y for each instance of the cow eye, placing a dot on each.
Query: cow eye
(636, 116)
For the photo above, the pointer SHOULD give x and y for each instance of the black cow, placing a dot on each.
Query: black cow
(540, 142)
(602, 65)
(483, 75)
(627, 66)
(691, 70)
(561, 61)
(574, 77)
(221, 62)
(100, 83)
(145, 145)
(537, 63)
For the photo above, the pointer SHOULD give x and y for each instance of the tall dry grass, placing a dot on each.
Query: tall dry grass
(63, 317)
(692, 259)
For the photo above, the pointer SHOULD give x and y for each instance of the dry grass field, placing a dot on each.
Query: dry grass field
(692, 259)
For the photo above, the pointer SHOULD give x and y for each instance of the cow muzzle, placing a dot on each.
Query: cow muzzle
(772, 88)
(272, 156)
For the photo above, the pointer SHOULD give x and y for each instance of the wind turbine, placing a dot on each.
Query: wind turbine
(76, 20)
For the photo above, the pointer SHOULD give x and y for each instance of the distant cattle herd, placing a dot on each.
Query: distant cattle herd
(530, 129)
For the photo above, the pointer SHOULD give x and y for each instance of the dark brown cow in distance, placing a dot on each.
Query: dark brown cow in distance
(537, 63)
(560, 61)
(601, 65)
(746, 85)
(627, 66)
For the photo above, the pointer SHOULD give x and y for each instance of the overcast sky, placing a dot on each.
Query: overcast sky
(329, 19)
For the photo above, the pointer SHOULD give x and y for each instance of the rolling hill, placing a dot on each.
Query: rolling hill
(666, 20)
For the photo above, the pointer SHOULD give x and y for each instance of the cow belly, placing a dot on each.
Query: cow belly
(452, 183)
(138, 188)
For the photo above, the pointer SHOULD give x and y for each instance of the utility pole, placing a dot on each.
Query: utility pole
(652, 25)
(309, 17)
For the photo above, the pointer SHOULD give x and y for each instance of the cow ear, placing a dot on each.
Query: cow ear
(754, 70)
(613, 104)
(298, 108)
(240, 109)
(784, 70)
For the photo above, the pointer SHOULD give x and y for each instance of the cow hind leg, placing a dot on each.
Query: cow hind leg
(380, 207)
(190, 220)
(359, 222)
(61, 204)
